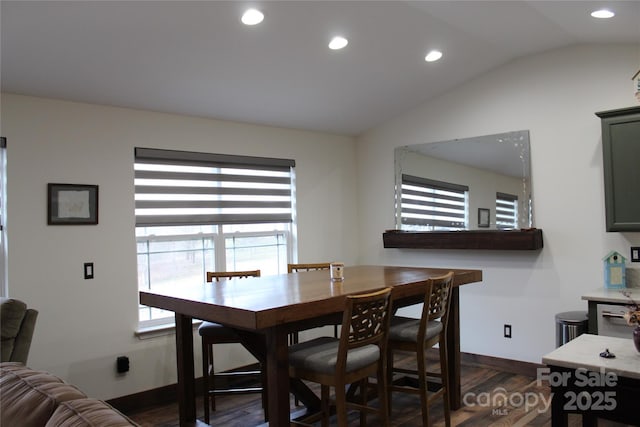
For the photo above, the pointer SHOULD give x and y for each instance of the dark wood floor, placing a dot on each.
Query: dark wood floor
(482, 387)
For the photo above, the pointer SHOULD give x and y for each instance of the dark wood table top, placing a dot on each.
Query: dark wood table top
(267, 301)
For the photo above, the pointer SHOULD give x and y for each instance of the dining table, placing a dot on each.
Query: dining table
(264, 310)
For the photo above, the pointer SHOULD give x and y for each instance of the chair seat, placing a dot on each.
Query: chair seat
(406, 329)
(321, 354)
(217, 331)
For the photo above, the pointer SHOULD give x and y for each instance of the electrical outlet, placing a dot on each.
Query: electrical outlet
(507, 331)
(122, 364)
(635, 253)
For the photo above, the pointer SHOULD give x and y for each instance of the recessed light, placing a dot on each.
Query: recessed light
(432, 56)
(338, 42)
(603, 13)
(252, 17)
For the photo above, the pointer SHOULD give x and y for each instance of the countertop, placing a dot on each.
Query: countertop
(613, 295)
(584, 352)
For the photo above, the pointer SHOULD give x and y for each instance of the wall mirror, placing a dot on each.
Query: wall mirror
(479, 183)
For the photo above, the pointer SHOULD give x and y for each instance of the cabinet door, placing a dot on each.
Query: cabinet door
(621, 156)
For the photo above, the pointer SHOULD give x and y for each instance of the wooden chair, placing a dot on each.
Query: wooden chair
(418, 335)
(359, 353)
(214, 333)
(294, 337)
(295, 268)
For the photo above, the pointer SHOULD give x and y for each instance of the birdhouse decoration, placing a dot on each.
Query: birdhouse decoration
(614, 270)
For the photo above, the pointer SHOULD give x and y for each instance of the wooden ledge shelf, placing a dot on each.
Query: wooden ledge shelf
(511, 240)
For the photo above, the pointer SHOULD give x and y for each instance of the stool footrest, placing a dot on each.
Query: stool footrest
(236, 373)
(237, 390)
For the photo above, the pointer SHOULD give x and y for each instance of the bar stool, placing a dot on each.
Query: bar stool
(418, 335)
(295, 268)
(215, 333)
(359, 353)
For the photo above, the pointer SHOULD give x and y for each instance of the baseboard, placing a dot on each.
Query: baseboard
(149, 398)
(161, 396)
(528, 369)
(169, 393)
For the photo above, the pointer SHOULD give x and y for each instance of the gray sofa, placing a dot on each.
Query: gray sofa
(31, 398)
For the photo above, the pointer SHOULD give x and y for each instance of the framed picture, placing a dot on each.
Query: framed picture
(483, 217)
(72, 204)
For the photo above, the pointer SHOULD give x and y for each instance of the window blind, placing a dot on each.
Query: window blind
(506, 211)
(187, 188)
(435, 204)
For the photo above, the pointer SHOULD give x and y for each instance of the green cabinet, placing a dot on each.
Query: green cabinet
(621, 157)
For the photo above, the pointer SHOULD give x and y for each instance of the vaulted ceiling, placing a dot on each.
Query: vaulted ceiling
(197, 58)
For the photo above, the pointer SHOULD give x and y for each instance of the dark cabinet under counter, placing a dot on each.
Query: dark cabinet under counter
(530, 239)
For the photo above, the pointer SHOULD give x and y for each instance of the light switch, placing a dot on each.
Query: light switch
(635, 253)
(507, 331)
(88, 270)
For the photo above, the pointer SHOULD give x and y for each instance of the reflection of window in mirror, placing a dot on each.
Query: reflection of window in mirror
(506, 211)
(484, 217)
(494, 169)
(430, 205)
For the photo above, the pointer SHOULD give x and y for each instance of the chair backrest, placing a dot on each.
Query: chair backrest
(293, 268)
(217, 275)
(18, 324)
(436, 302)
(365, 321)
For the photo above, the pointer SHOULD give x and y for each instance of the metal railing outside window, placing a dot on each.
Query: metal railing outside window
(175, 260)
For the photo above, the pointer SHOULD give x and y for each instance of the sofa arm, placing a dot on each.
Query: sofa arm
(17, 326)
(23, 340)
(88, 413)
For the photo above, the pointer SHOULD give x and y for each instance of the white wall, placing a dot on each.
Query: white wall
(555, 96)
(85, 324)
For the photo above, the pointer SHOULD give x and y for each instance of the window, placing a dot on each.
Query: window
(506, 211)
(433, 205)
(3, 214)
(198, 212)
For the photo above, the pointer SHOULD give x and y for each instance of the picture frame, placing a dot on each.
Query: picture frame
(483, 217)
(72, 204)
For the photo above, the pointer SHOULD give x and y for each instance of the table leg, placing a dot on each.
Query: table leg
(256, 344)
(589, 420)
(186, 373)
(453, 350)
(592, 322)
(277, 376)
(559, 417)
